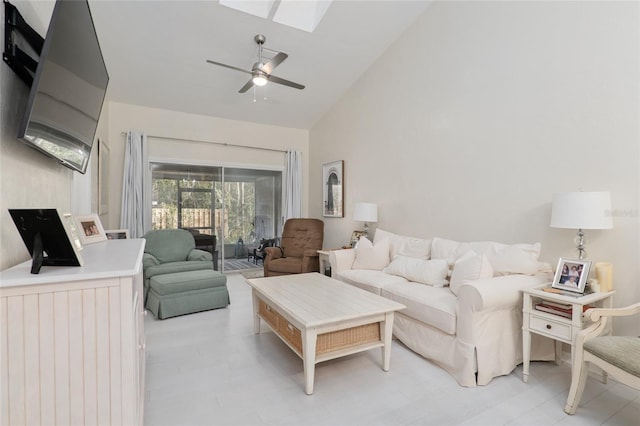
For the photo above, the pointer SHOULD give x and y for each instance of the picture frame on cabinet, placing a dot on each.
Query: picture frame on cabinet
(70, 223)
(117, 234)
(571, 275)
(90, 229)
(333, 189)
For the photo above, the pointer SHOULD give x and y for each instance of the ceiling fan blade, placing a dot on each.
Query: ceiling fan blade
(228, 66)
(279, 80)
(246, 86)
(274, 62)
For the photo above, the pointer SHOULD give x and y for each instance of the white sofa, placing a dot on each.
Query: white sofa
(472, 328)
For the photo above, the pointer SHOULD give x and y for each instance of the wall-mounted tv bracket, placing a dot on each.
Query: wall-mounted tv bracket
(19, 60)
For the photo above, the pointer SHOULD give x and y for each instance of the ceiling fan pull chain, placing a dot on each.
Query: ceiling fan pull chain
(254, 93)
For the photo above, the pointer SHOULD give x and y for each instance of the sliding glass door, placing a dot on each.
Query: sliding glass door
(239, 206)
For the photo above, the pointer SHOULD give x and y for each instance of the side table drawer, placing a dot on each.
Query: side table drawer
(550, 327)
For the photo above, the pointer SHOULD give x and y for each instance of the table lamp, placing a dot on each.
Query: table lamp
(366, 212)
(581, 210)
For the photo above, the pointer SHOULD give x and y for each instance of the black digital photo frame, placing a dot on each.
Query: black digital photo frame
(48, 240)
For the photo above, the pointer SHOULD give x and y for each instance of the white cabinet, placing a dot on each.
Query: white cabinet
(72, 339)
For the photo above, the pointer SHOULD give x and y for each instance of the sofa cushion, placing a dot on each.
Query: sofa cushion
(369, 280)
(504, 258)
(431, 272)
(470, 267)
(370, 256)
(404, 246)
(416, 247)
(431, 305)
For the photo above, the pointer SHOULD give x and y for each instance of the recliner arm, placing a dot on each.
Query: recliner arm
(197, 254)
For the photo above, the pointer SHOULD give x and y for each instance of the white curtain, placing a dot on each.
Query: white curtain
(135, 191)
(293, 186)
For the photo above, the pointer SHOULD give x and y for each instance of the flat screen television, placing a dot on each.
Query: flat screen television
(68, 89)
(47, 238)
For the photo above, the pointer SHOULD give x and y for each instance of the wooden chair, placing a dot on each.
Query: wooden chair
(618, 356)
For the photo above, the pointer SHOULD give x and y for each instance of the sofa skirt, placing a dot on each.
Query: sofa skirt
(463, 360)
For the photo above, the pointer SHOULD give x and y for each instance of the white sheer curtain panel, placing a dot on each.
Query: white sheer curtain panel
(135, 193)
(293, 186)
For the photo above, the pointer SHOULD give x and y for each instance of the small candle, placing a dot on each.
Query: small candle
(604, 272)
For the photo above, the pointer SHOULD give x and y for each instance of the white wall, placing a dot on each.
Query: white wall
(28, 179)
(481, 111)
(159, 122)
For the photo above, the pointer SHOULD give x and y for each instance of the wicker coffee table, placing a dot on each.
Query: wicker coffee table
(320, 318)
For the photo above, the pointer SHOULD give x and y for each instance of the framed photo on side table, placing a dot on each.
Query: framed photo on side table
(355, 236)
(90, 229)
(571, 275)
(333, 189)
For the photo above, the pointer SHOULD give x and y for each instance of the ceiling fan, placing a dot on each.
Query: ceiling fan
(261, 72)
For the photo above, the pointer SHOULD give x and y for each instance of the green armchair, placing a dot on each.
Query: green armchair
(169, 251)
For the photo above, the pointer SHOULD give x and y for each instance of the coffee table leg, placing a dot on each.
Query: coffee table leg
(309, 338)
(386, 328)
(256, 317)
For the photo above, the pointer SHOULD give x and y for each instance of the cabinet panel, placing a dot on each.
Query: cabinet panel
(69, 350)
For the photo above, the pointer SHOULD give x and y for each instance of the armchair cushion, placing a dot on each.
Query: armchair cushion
(621, 351)
(173, 267)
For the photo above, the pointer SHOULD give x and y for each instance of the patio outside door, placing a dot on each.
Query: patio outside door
(238, 206)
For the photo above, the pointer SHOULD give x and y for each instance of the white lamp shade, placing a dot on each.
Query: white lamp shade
(365, 212)
(581, 210)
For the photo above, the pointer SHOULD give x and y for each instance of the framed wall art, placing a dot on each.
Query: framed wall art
(571, 275)
(90, 229)
(333, 189)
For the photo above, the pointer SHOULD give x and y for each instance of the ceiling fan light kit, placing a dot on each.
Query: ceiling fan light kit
(261, 72)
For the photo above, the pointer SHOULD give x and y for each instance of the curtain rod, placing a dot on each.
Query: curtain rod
(212, 142)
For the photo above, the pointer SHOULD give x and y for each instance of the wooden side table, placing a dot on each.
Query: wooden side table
(559, 328)
(323, 257)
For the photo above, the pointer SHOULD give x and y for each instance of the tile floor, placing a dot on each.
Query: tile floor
(210, 369)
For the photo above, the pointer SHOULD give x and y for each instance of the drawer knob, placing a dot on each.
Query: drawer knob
(548, 326)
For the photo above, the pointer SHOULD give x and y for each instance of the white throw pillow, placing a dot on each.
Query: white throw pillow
(470, 267)
(431, 272)
(504, 258)
(395, 241)
(369, 256)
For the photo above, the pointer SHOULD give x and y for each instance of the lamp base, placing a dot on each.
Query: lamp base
(580, 244)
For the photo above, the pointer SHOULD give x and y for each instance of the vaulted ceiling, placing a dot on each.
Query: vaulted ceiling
(156, 54)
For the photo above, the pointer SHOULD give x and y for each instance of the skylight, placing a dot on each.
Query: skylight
(301, 14)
